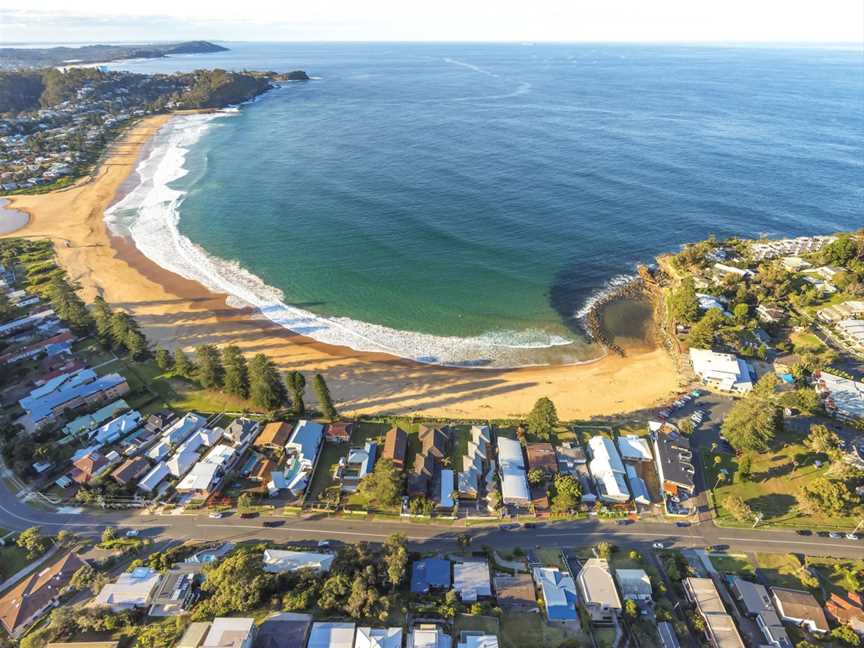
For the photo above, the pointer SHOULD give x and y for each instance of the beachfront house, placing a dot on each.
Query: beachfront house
(723, 371)
(608, 470)
(511, 466)
(302, 448)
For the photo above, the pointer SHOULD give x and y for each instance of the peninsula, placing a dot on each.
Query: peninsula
(36, 57)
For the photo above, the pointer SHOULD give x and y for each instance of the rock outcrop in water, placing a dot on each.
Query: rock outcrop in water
(593, 322)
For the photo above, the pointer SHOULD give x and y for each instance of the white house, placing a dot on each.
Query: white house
(721, 370)
(130, 590)
(514, 483)
(608, 470)
(277, 561)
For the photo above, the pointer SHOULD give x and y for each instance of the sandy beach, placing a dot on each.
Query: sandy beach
(174, 311)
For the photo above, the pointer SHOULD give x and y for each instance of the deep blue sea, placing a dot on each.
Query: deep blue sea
(463, 203)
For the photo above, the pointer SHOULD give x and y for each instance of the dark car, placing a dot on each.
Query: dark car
(530, 525)
(804, 532)
(274, 523)
(682, 525)
(248, 515)
(623, 522)
(508, 527)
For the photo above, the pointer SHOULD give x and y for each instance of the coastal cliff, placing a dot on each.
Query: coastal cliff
(36, 57)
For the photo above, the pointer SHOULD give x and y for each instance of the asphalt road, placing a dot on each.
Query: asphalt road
(17, 515)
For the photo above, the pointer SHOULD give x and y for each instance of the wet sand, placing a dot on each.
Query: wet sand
(176, 312)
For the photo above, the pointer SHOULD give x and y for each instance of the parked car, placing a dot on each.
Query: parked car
(508, 527)
(132, 533)
(804, 532)
(216, 515)
(682, 525)
(529, 525)
(658, 545)
(695, 393)
(851, 536)
(270, 524)
(834, 535)
(323, 544)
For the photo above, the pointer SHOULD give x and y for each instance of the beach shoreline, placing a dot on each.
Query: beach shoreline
(177, 312)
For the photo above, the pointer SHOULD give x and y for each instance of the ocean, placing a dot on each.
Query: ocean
(465, 203)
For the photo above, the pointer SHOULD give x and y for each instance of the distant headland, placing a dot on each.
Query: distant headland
(36, 57)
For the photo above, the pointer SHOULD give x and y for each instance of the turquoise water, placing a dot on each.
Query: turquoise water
(488, 192)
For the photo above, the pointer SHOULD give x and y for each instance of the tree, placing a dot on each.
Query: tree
(164, 360)
(325, 402)
(702, 334)
(738, 508)
(244, 502)
(847, 635)
(745, 467)
(237, 584)
(603, 550)
(236, 372)
(102, 317)
(631, 610)
(109, 534)
(568, 492)
(183, 365)
(297, 385)
(752, 424)
(32, 542)
(463, 540)
(741, 312)
(266, 388)
(684, 303)
(396, 559)
(821, 440)
(543, 418)
(210, 372)
(826, 496)
(68, 305)
(535, 476)
(334, 591)
(65, 537)
(383, 486)
(83, 578)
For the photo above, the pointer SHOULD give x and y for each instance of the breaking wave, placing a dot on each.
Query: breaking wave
(150, 214)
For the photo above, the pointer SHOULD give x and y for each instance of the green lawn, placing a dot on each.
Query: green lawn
(605, 637)
(486, 624)
(323, 477)
(549, 557)
(12, 560)
(772, 488)
(732, 564)
(526, 630)
(780, 570)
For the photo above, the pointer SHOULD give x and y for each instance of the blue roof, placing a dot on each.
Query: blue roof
(430, 573)
(42, 408)
(306, 439)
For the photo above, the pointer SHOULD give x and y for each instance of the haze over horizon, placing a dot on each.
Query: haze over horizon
(733, 21)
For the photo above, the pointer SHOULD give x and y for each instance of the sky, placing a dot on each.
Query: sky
(766, 21)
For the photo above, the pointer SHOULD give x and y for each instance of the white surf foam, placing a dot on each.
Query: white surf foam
(150, 214)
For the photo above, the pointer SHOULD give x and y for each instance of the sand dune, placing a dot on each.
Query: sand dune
(174, 311)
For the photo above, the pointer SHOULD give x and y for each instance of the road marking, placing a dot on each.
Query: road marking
(331, 532)
(565, 534)
(795, 542)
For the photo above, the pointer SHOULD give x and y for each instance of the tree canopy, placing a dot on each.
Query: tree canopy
(543, 418)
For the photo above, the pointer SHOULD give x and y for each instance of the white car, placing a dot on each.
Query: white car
(132, 533)
(658, 545)
(323, 543)
(216, 515)
(851, 536)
